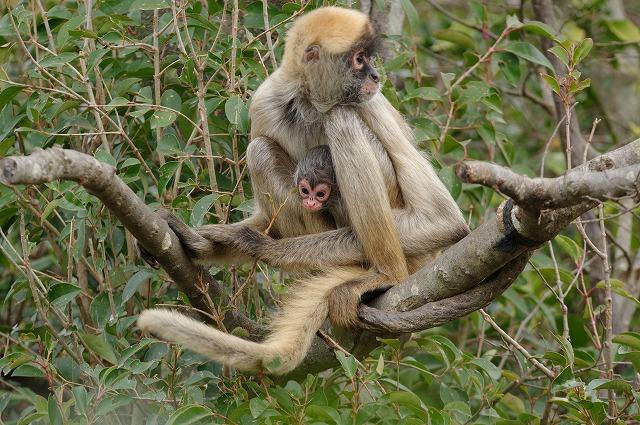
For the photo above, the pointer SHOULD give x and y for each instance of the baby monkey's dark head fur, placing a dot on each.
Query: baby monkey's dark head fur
(330, 53)
(315, 179)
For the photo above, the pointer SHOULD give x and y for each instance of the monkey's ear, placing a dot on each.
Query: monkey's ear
(312, 53)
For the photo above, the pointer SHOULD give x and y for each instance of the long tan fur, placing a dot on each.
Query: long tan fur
(292, 332)
(368, 206)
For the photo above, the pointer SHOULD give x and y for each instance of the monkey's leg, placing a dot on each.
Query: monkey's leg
(344, 299)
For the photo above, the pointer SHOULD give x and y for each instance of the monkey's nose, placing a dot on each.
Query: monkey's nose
(311, 204)
(375, 77)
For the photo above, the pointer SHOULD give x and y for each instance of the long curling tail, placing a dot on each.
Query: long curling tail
(292, 329)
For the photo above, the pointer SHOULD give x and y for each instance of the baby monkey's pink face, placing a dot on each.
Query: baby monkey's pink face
(313, 198)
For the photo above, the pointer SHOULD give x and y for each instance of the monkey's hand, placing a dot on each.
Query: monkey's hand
(345, 299)
(200, 244)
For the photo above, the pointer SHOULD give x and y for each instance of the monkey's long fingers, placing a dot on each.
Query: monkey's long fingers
(193, 243)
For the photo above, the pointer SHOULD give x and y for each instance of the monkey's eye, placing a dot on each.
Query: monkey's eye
(304, 190)
(360, 60)
(320, 194)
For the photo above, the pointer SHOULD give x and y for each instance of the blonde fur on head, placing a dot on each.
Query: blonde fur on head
(334, 29)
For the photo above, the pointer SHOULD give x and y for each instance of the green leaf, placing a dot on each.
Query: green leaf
(61, 293)
(257, 406)
(55, 415)
(133, 284)
(348, 364)
(408, 400)
(528, 52)
(57, 60)
(455, 37)
(201, 208)
(447, 78)
(582, 50)
(105, 156)
(539, 28)
(618, 385)
(169, 145)
(380, 365)
(564, 380)
(324, 413)
(552, 82)
(488, 367)
(81, 398)
(190, 414)
(630, 339)
(167, 172)
(247, 206)
(99, 346)
(8, 94)
(567, 349)
(162, 118)
(513, 22)
(237, 113)
(171, 99)
(561, 53)
(569, 246)
(148, 4)
(115, 102)
(426, 93)
(624, 29)
(411, 13)
(28, 370)
(618, 287)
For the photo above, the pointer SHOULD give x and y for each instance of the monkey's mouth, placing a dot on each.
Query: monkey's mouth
(368, 89)
(312, 205)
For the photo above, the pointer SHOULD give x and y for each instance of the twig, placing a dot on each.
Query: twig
(454, 18)
(265, 17)
(517, 346)
(608, 312)
(157, 93)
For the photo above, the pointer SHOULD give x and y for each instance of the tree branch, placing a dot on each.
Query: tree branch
(44, 166)
(536, 194)
(437, 313)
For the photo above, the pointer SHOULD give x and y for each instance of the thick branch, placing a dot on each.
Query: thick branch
(100, 179)
(443, 311)
(536, 194)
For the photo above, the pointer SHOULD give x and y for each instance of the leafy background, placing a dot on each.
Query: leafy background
(160, 90)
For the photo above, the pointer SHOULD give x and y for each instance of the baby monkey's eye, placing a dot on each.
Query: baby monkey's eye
(320, 194)
(304, 190)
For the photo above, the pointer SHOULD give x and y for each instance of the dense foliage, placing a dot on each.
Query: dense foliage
(132, 82)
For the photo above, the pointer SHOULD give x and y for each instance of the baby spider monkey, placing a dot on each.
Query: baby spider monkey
(317, 186)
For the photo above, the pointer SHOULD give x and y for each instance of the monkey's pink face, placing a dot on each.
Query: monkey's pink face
(313, 198)
(361, 65)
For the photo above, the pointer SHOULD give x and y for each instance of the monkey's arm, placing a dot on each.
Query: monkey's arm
(341, 246)
(338, 247)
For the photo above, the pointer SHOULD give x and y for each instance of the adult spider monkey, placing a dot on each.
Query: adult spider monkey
(326, 92)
